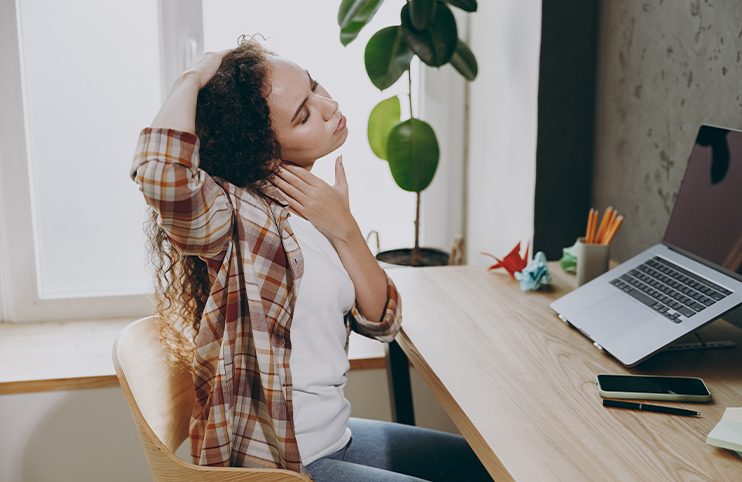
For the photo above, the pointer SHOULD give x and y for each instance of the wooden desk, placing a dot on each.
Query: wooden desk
(519, 384)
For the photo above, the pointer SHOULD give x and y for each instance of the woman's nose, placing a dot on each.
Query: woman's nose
(329, 107)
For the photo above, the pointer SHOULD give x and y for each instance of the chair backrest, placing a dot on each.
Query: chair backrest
(160, 395)
(161, 389)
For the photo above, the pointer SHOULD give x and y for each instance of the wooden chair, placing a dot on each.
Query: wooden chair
(161, 396)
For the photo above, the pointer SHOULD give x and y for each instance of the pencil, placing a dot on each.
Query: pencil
(589, 235)
(604, 224)
(617, 224)
(609, 225)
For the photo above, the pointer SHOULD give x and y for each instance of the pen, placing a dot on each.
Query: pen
(650, 408)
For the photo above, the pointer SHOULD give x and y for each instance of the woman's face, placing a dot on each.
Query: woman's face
(306, 119)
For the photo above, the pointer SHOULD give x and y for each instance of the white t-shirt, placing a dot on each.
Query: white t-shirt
(318, 359)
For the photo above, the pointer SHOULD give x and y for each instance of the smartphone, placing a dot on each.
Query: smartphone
(648, 387)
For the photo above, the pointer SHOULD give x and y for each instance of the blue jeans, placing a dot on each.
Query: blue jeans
(392, 452)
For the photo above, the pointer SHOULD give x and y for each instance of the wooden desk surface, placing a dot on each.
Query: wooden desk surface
(519, 384)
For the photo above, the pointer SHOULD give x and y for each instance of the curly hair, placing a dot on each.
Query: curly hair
(237, 144)
(233, 121)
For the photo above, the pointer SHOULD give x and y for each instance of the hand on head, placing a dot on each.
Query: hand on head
(179, 109)
(325, 206)
(205, 66)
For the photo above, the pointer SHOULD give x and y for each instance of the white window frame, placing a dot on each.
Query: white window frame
(20, 300)
(181, 37)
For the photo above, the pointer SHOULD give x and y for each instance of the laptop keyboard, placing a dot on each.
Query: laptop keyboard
(670, 290)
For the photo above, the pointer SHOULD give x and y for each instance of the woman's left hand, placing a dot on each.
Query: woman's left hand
(325, 206)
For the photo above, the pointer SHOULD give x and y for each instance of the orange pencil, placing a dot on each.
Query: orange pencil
(593, 234)
(608, 225)
(614, 228)
(614, 220)
(611, 223)
(590, 226)
(604, 224)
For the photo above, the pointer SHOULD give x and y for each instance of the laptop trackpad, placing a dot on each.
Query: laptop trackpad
(612, 318)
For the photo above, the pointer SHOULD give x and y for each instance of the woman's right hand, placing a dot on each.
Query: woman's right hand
(179, 109)
(204, 67)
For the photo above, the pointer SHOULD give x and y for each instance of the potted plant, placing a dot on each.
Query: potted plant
(427, 30)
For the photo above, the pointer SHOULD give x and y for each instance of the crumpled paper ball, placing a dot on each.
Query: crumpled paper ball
(569, 259)
(536, 274)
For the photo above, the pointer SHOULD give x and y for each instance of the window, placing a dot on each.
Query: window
(76, 90)
(78, 81)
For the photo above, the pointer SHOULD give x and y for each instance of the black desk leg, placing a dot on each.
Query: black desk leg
(400, 390)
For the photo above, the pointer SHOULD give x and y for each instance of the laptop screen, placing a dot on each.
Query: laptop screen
(707, 219)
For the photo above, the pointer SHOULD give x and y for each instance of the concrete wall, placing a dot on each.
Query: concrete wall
(664, 68)
(89, 435)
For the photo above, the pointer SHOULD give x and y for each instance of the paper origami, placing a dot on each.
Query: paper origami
(512, 263)
(569, 259)
(535, 274)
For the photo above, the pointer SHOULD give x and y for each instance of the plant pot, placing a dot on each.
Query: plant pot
(403, 257)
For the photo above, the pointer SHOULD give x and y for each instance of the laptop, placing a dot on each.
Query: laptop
(690, 279)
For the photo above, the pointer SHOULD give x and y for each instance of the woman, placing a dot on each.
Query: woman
(227, 158)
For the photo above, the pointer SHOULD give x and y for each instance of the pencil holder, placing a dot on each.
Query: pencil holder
(592, 260)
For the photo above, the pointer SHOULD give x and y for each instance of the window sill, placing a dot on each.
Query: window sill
(75, 355)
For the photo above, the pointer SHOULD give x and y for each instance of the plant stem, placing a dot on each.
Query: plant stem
(409, 87)
(416, 250)
(415, 261)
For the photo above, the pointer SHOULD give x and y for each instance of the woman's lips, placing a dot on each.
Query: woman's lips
(341, 124)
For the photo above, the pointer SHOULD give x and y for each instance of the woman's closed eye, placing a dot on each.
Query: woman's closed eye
(315, 84)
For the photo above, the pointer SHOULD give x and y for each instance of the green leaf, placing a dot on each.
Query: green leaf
(466, 5)
(464, 61)
(412, 152)
(436, 43)
(384, 116)
(387, 56)
(350, 32)
(422, 13)
(349, 9)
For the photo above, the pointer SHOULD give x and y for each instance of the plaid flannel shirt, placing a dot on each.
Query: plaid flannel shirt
(243, 412)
